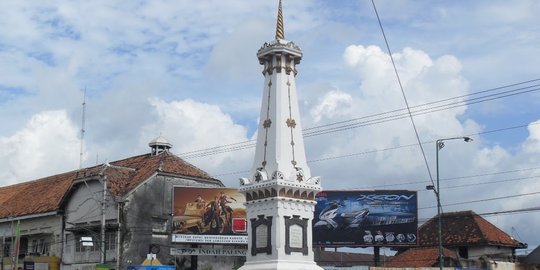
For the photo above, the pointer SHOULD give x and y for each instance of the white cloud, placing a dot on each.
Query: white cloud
(48, 144)
(332, 103)
(190, 125)
(532, 144)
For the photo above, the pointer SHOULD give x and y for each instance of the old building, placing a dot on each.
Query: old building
(468, 239)
(423, 257)
(32, 208)
(61, 217)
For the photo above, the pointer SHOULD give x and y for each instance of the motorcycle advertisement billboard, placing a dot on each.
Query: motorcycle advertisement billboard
(366, 218)
(208, 215)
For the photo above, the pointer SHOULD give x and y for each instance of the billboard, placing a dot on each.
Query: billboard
(366, 218)
(209, 215)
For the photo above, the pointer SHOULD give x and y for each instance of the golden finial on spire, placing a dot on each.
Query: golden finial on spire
(280, 33)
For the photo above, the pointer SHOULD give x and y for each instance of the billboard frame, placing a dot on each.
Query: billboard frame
(208, 215)
(397, 227)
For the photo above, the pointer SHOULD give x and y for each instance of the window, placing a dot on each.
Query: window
(110, 240)
(159, 225)
(43, 247)
(23, 246)
(79, 245)
(7, 247)
(34, 246)
(68, 242)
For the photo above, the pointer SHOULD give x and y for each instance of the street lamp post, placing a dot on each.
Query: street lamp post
(439, 144)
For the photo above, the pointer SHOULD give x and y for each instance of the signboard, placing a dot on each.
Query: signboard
(366, 218)
(214, 239)
(87, 241)
(209, 215)
(208, 252)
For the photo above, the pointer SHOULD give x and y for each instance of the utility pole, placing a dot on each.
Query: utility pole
(103, 207)
(103, 245)
(439, 144)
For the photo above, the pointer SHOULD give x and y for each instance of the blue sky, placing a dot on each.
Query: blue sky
(188, 70)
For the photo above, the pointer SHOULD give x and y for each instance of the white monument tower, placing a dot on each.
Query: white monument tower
(280, 192)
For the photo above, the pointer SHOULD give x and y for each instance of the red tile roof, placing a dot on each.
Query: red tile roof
(464, 229)
(46, 194)
(420, 257)
(331, 258)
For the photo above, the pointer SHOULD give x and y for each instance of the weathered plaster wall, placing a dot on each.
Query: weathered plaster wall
(145, 211)
(48, 228)
(84, 207)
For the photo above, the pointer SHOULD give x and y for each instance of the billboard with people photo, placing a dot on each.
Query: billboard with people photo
(209, 215)
(366, 218)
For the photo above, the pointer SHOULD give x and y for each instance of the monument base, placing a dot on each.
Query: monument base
(280, 265)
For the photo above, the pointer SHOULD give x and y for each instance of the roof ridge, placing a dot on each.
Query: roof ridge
(477, 218)
(128, 158)
(34, 180)
(192, 165)
(45, 178)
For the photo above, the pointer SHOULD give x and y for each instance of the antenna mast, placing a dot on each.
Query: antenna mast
(82, 128)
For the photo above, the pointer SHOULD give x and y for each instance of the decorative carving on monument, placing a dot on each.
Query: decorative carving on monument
(299, 174)
(314, 180)
(244, 181)
(267, 123)
(296, 235)
(277, 175)
(279, 44)
(261, 231)
(291, 123)
(278, 62)
(260, 175)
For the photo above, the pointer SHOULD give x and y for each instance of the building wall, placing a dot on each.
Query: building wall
(84, 204)
(492, 251)
(83, 218)
(147, 219)
(143, 217)
(40, 236)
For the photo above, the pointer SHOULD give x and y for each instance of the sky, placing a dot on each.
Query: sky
(188, 70)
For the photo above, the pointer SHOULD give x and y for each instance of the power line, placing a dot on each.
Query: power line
(425, 142)
(403, 94)
(391, 148)
(449, 179)
(492, 182)
(375, 119)
(416, 113)
(484, 200)
(438, 101)
(497, 213)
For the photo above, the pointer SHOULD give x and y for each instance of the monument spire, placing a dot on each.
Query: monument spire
(280, 32)
(280, 191)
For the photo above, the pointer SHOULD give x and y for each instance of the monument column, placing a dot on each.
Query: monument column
(280, 191)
